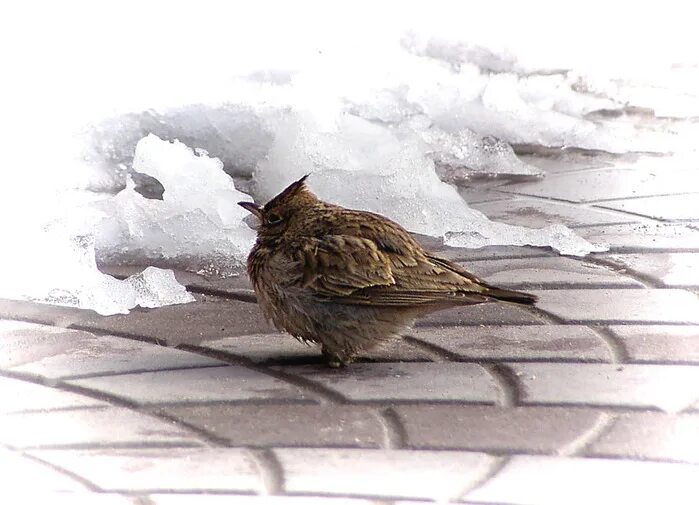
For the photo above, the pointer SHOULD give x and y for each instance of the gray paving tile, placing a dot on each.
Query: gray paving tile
(651, 435)
(208, 318)
(106, 426)
(659, 344)
(404, 381)
(233, 285)
(227, 499)
(287, 425)
(56, 352)
(671, 388)
(666, 306)
(381, 473)
(549, 480)
(228, 383)
(532, 342)
(281, 348)
(545, 430)
(18, 396)
(535, 213)
(666, 208)
(566, 160)
(608, 183)
(485, 313)
(548, 273)
(28, 476)
(670, 269)
(172, 469)
(642, 237)
(491, 252)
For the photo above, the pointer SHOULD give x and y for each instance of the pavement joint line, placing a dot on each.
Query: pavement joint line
(569, 285)
(140, 371)
(96, 446)
(395, 435)
(499, 463)
(323, 394)
(437, 353)
(638, 197)
(647, 280)
(618, 352)
(112, 399)
(548, 317)
(507, 382)
(604, 422)
(89, 485)
(270, 469)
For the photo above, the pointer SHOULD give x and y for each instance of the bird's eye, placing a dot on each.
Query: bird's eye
(274, 219)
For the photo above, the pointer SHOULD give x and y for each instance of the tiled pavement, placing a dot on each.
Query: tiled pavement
(592, 397)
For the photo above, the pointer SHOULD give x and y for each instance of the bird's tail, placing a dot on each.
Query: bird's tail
(507, 295)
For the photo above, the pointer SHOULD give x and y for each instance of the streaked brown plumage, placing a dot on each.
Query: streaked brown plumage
(347, 279)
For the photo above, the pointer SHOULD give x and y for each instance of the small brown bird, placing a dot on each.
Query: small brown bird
(348, 279)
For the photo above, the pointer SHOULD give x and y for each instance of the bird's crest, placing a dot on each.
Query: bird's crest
(291, 193)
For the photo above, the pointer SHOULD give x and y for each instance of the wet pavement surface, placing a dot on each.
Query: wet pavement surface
(590, 397)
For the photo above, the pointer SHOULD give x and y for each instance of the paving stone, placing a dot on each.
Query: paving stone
(657, 344)
(523, 273)
(227, 383)
(27, 476)
(671, 388)
(286, 425)
(666, 207)
(671, 269)
(223, 499)
(548, 480)
(540, 213)
(171, 469)
(613, 306)
(98, 426)
(18, 396)
(651, 435)
(234, 285)
(404, 381)
(396, 474)
(477, 193)
(283, 349)
(495, 429)
(571, 160)
(208, 318)
(536, 343)
(485, 313)
(56, 352)
(492, 252)
(608, 183)
(642, 237)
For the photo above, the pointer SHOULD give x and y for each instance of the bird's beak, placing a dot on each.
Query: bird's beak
(253, 208)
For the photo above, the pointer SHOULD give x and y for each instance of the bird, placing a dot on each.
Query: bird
(350, 280)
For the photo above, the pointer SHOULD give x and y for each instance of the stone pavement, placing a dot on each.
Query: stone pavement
(591, 397)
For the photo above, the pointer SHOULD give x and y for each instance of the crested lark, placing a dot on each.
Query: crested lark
(347, 279)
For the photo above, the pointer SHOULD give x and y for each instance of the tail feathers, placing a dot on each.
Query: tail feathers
(507, 295)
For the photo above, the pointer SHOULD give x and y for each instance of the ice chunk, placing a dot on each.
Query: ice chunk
(465, 155)
(58, 266)
(556, 236)
(197, 225)
(155, 287)
(391, 175)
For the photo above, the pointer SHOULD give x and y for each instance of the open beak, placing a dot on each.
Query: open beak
(253, 208)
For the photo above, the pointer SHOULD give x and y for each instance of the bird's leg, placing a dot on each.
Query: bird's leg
(335, 359)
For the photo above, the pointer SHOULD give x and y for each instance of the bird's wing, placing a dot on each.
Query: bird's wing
(339, 265)
(390, 270)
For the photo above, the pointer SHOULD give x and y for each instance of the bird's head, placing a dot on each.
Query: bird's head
(276, 214)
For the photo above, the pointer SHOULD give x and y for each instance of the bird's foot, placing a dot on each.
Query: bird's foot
(335, 360)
